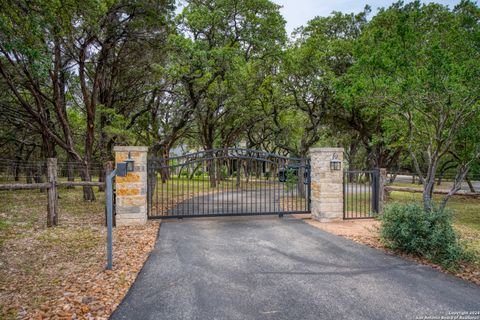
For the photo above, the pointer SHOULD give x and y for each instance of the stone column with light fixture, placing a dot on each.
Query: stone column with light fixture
(131, 190)
(326, 183)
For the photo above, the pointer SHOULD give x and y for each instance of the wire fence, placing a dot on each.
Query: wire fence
(15, 171)
(443, 182)
(50, 175)
(449, 176)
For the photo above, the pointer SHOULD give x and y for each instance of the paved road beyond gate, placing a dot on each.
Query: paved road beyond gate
(224, 182)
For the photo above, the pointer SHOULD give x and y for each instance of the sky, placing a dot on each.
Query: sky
(298, 12)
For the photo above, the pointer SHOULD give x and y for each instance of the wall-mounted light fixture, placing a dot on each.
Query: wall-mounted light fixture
(125, 166)
(130, 163)
(335, 164)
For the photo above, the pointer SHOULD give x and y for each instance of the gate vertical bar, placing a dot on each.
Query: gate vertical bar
(377, 180)
(374, 193)
(309, 186)
(343, 190)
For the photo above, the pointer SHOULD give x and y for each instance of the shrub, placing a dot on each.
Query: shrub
(224, 172)
(291, 179)
(411, 229)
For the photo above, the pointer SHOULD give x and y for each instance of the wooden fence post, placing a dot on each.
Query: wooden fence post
(52, 207)
(107, 168)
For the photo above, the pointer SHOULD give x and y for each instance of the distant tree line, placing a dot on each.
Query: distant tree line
(398, 89)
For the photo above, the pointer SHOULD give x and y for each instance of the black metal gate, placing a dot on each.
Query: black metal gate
(361, 194)
(228, 182)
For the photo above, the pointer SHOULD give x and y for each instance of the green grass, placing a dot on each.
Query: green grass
(359, 204)
(445, 185)
(4, 225)
(182, 186)
(69, 241)
(24, 210)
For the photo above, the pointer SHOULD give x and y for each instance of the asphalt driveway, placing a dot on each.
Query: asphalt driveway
(232, 202)
(271, 268)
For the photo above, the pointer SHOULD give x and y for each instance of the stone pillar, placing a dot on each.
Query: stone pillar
(326, 184)
(131, 190)
(382, 194)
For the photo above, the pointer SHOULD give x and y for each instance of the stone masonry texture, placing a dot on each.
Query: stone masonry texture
(326, 184)
(131, 195)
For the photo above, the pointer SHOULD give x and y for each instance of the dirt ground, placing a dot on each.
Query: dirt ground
(362, 230)
(59, 273)
(69, 285)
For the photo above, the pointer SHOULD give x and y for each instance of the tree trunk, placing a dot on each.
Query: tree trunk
(211, 169)
(258, 169)
(164, 171)
(48, 146)
(16, 168)
(470, 185)
(351, 158)
(38, 173)
(219, 170)
(101, 178)
(85, 175)
(70, 170)
(88, 194)
(392, 178)
(443, 169)
(457, 184)
(439, 179)
(428, 186)
(192, 175)
(427, 197)
(247, 172)
(301, 178)
(29, 174)
(238, 170)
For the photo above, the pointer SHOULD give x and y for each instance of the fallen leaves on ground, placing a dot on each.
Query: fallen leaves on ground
(59, 273)
(96, 292)
(81, 288)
